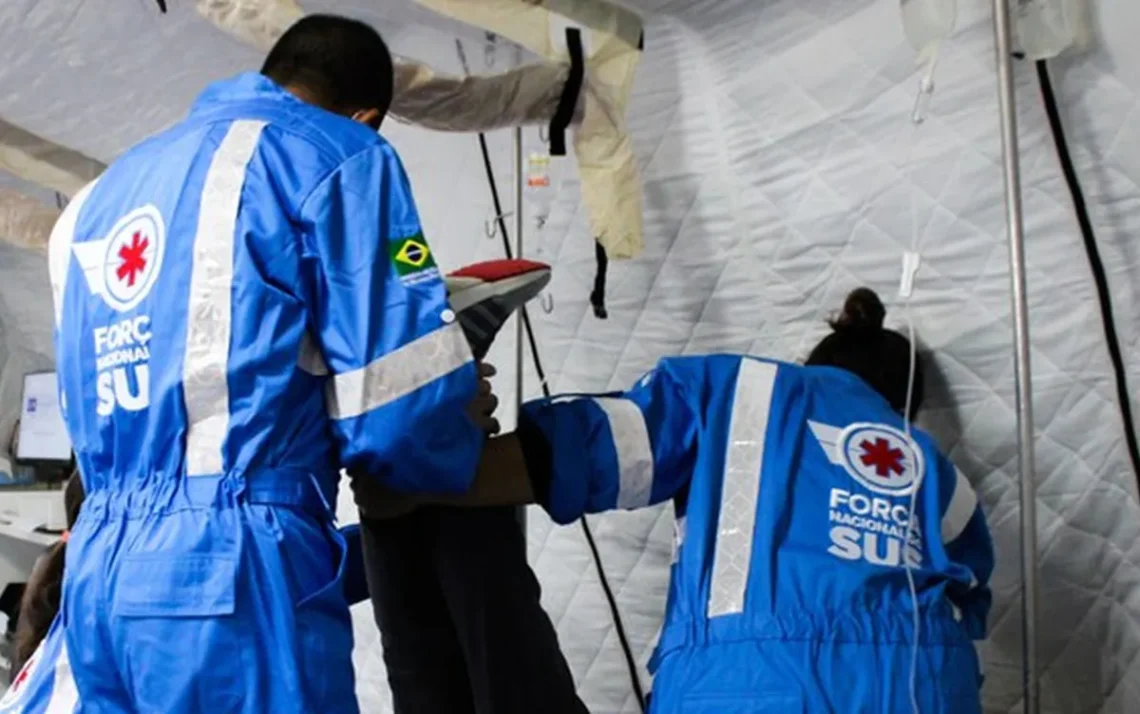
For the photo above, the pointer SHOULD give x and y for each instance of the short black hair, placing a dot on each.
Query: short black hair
(343, 63)
(861, 345)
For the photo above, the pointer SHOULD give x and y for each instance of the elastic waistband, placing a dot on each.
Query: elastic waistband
(938, 627)
(273, 487)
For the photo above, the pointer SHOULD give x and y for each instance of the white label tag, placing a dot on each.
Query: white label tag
(910, 265)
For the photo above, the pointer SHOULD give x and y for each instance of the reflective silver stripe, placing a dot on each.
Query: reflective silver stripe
(743, 461)
(634, 453)
(398, 373)
(209, 314)
(960, 510)
(64, 694)
(59, 247)
(678, 538)
(311, 360)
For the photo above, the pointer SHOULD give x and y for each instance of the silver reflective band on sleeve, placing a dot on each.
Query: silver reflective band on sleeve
(59, 247)
(398, 373)
(209, 315)
(634, 453)
(743, 462)
(960, 510)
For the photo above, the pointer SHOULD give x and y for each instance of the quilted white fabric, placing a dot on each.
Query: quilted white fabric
(780, 171)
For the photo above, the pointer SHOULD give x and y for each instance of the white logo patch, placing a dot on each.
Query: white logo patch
(881, 458)
(123, 267)
(880, 529)
(17, 688)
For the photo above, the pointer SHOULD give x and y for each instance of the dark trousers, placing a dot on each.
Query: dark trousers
(459, 615)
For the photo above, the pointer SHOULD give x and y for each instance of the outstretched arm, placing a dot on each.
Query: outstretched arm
(582, 454)
(502, 479)
(400, 373)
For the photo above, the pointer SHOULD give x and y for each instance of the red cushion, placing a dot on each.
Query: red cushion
(492, 270)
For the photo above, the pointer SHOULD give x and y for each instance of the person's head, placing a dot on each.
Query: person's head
(861, 345)
(336, 63)
(40, 603)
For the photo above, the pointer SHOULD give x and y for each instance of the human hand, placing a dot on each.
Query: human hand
(483, 406)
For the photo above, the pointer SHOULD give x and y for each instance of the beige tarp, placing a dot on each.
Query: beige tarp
(527, 95)
(611, 184)
(611, 181)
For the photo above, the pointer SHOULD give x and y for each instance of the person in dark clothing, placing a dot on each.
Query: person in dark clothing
(457, 604)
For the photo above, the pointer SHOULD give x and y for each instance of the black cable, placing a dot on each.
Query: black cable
(1095, 264)
(619, 627)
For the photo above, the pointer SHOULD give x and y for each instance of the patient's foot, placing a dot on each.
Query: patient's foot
(484, 295)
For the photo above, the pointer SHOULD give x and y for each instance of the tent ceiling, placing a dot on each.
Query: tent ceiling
(98, 82)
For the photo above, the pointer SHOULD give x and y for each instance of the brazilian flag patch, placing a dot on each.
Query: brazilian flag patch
(412, 259)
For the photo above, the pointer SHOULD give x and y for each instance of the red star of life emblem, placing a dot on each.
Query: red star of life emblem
(132, 258)
(882, 457)
(22, 676)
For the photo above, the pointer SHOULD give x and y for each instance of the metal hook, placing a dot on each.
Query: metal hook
(489, 48)
(544, 133)
(547, 303)
(491, 225)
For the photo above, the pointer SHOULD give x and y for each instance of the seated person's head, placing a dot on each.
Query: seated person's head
(861, 345)
(338, 64)
(40, 602)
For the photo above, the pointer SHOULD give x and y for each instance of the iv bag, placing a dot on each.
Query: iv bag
(926, 24)
(1046, 28)
(539, 187)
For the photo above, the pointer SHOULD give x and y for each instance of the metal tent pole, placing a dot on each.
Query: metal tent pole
(1024, 400)
(519, 254)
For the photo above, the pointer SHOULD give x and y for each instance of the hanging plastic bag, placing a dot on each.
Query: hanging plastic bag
(1046, 28)
(927, 24)
(539, 189)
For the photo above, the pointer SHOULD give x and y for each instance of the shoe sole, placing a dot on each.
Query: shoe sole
(521, 289)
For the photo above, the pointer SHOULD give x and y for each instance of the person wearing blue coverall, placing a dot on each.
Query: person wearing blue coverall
(245, 304)
(42, 682)
(806, 505)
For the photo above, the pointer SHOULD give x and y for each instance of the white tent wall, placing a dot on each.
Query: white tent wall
(780, 171)
(25, 312)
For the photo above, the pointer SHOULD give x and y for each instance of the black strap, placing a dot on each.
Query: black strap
(598, 296)
(564, 114)
(1100, 280)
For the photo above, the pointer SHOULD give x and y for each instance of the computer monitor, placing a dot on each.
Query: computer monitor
(43, 436)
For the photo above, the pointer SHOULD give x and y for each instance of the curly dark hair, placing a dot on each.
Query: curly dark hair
(40, 602)
(860, 344)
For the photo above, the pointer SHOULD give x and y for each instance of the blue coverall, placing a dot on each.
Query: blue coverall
(245, 305)
(45, 685)
(792, 488)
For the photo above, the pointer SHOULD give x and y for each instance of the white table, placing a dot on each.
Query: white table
(22, 513)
